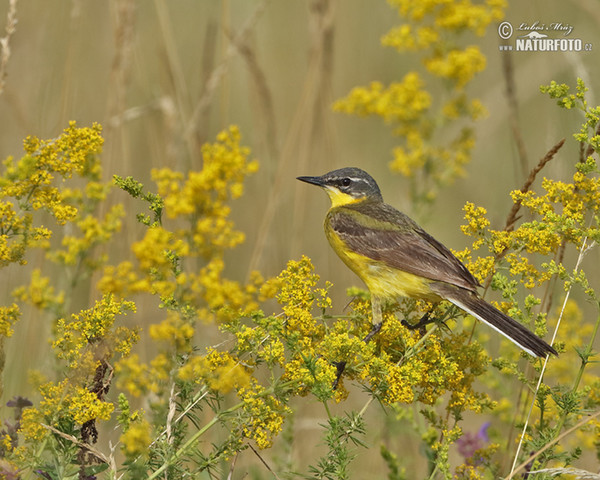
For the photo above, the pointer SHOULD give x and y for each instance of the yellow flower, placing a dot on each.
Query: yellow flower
(39, 293)
(458, 65)
(400, 102)
(8, 316)
(136, 439)
(219, 370)
(84, 405)
(263, 415)
(175, 331)
(31, 426)
(94, 328)
(135, 376)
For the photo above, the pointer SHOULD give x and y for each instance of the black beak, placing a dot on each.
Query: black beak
(312, 180)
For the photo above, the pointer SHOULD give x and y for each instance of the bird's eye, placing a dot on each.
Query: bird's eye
(346, 182)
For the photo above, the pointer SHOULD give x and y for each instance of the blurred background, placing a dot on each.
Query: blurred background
(163, 77)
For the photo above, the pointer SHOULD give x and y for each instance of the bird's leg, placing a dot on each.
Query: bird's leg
(340, 366)
(377, 318)
(377, 323)
(425, 320)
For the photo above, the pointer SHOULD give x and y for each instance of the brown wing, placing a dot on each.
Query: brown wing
(380, 232)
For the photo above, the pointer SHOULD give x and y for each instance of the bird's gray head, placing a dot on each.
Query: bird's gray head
(347, 185)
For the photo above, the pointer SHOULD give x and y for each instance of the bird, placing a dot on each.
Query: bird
(395, 257)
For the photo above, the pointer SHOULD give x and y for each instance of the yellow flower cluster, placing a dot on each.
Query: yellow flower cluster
(40, 293)
(135, 376)
(122, 280)
(263, 415)
(225, 166)
(16, 234)
(218, 370)
(31, 184)
(93, 231)
(92, 333)
(62, 402)
(173, 331)
(262, 340)
(560, 216)
(308, 374)
(452, 15)
(297, 295)
(402, 102)
(477, 223)
(403, 372)
(460, 66)
(31, 178)
(136, 439)
(432, 28)
(292, 340)
(8, 317)
(461, 105)
(166, 255)
(407, 37)
(562, 209)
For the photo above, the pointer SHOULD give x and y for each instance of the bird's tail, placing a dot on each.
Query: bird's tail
(507, 326)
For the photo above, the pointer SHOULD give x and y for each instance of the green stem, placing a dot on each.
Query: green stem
(194, 438)
(184, 448)
(433, 472)
(585, 359)
(406, 356)
(327, 409)
(413, 350)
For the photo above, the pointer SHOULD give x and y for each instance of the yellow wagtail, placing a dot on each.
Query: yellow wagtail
(395, 257)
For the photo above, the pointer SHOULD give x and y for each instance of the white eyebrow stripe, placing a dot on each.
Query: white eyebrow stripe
(355, 179)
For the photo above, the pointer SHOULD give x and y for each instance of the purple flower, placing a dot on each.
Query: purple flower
(470, 442)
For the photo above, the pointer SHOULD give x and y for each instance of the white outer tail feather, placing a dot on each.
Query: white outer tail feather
(479, 317)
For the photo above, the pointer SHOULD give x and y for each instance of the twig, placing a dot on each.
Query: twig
(550, 444)
(232, 467)
(86, 446)
(263, 462)
(512, 216)
(171, 414)
(590, 149)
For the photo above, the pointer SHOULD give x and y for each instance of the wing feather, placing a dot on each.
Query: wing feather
(382, 233)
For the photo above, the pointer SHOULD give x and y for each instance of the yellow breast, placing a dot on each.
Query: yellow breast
(381, 280)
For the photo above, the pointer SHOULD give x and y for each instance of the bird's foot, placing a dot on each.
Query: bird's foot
(420, 325)
(375, 330)
(340, 366)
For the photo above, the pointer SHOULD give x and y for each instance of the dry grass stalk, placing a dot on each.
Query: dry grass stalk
(308, 126)
(263, 99)
(11, 27)
(512, 216)
(216, 77)
(513, 110)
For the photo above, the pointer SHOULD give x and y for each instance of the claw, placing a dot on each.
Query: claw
(340, 369)
(425, 320)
